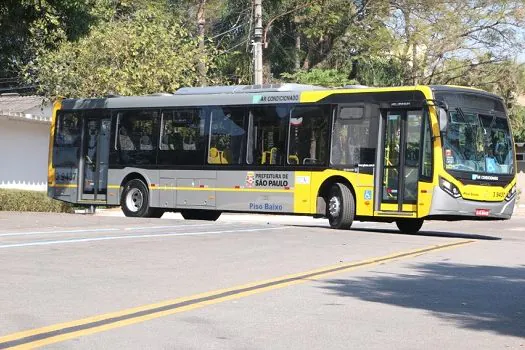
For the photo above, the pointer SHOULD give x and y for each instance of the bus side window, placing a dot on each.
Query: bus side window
(308, 139)
(267, 132)
(227, 136)
(355, 134)
(136, 143)
(183, 137)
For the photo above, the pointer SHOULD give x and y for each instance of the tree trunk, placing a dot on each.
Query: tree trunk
(201, 21)
(297, 51)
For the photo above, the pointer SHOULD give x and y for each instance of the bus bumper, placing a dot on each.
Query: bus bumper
(444, 205)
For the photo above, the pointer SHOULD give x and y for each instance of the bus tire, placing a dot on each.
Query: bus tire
(200, 214)
(409, 226)
(341, 207)
(135, 201)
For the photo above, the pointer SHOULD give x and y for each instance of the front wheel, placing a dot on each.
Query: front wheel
(200, 214)
(341, 207)
(409, 226)
(135, 201)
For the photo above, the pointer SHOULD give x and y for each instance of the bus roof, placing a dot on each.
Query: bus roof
(241, 95)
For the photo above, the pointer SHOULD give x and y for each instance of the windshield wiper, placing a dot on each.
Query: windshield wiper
(462, 115)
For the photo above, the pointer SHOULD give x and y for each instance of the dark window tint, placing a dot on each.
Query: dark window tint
(308, 140)
(412, 153)
(136, 137)
(67, 139)
(268, 127)
(227, 136)
(183, 137)
(426, 160)
(355, 134)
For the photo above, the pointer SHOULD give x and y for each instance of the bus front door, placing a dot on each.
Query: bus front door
(95, 157)
(399, 162)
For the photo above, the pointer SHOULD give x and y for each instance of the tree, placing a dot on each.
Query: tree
(147, 51)
(430, 34)
(30, 26)
(321, 77)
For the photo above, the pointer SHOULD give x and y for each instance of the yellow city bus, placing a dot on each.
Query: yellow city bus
(397, 154)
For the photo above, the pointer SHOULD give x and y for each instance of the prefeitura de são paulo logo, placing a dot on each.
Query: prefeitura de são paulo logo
(250, 179)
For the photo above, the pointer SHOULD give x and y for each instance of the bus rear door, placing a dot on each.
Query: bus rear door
(95, 157)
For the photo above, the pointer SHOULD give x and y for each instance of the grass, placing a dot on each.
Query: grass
(35, 201)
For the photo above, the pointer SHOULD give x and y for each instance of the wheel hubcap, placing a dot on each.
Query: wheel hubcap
(134, 200)
(334, 207)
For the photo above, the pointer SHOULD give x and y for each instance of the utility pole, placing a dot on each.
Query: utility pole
(257, 44)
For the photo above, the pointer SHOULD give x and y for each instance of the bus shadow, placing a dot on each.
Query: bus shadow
(478, 297)
(422, 233)
(442, 234)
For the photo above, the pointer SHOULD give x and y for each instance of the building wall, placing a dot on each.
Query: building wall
(23, 154)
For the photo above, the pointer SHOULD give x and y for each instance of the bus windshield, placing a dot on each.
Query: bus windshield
(477, 142)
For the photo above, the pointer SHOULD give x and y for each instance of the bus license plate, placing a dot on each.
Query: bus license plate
(482, 212)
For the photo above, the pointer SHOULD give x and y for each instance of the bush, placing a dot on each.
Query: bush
(21, 200)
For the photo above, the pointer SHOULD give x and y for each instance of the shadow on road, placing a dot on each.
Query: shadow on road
(424, 233)
(485, 298)
(443, 234)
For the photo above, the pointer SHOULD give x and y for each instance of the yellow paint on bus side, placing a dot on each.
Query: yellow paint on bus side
(221, 189)
(303, 196)
(50, 170)
(315, 96)
(359, 182)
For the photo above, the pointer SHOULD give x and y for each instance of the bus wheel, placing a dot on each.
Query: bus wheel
(409, 226)
(135, 201)
(200, 214)
(341, 206)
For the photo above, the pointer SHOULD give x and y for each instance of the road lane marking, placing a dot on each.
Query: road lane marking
(74, 329)
(170, 226)
(22, 233)
(111, 238)
(9, 234)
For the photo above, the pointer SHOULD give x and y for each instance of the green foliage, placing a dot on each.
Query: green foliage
(20, 200)
(517, 117)
(147, 52)
(28, 27)
(321, 77)
(379, 71)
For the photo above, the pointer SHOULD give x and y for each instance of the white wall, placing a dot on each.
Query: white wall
(23, 154)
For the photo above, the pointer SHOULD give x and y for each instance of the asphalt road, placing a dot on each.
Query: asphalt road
(258, 282)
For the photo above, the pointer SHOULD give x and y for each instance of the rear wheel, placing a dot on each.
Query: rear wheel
(135, 201)
(409, 226)
(200, 214)
(341, 206)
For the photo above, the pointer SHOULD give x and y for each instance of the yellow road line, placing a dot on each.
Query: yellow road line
(74, 329)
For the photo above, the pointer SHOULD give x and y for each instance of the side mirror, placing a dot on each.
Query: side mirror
(443, 119)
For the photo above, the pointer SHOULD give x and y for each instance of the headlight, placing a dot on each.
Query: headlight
(449, 187)
(511, 193)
